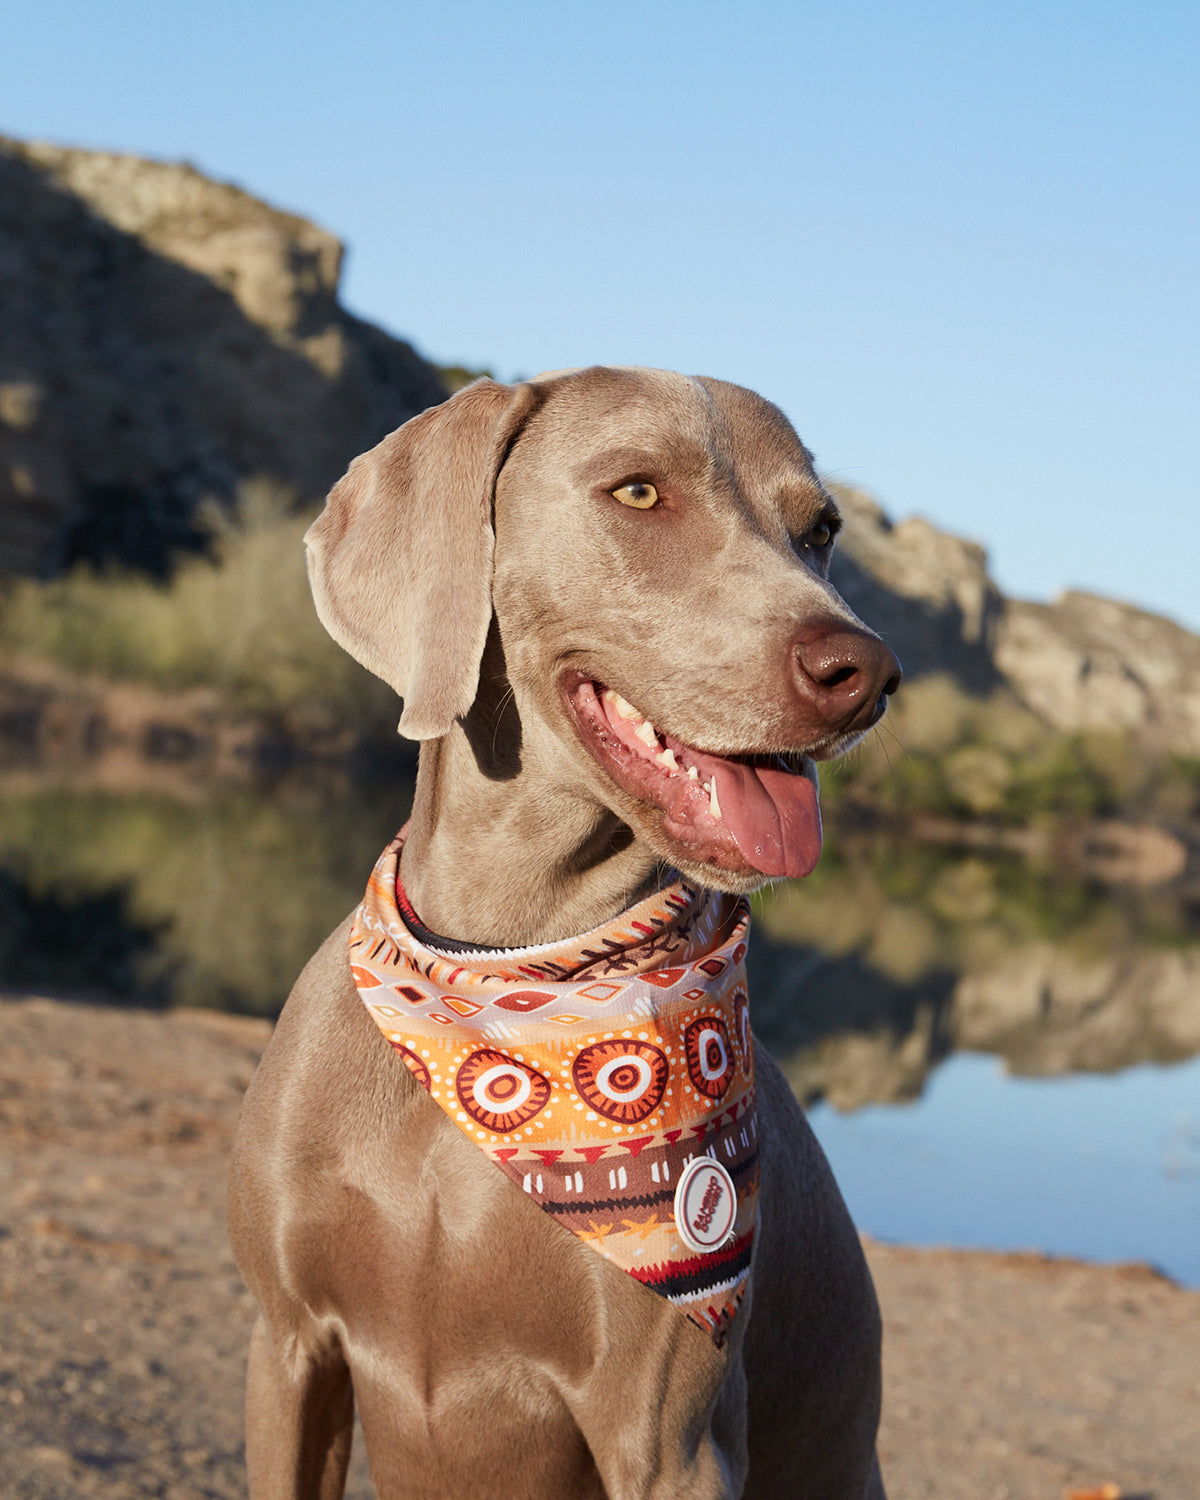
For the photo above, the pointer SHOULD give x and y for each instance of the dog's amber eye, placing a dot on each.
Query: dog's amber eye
(640, 496)
(821, 535)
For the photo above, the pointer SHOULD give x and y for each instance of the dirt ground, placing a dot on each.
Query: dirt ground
(123, 1323)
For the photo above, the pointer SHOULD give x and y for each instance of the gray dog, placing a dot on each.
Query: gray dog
(602, 596)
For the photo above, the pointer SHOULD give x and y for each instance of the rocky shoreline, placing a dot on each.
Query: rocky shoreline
(125, 1321)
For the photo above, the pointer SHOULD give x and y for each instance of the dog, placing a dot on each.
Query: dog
(602, 596)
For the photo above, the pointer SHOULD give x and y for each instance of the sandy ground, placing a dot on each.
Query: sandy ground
(123, 1323)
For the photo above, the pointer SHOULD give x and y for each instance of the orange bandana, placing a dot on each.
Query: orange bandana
(611, 1076)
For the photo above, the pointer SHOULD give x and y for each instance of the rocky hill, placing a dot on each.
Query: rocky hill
(1082, 662)
(162, 337)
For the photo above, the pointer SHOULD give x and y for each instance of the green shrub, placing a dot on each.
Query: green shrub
(943, 753)
(240, 621)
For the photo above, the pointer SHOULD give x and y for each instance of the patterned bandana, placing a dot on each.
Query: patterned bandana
(611, 1076)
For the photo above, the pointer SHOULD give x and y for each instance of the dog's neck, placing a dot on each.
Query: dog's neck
(504, 856)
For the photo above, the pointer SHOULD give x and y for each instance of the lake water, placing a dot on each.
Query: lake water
(1099, 1167)
(993, 1054)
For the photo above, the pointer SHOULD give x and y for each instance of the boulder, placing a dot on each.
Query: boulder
(1090, 663)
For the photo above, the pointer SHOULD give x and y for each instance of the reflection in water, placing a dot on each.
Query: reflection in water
(865, 978)
(889, 958)
(865, 975)
(159, 900)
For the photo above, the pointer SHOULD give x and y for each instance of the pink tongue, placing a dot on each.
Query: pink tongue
(774, 816)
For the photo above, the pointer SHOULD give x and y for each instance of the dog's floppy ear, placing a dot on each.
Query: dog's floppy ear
(400, 559)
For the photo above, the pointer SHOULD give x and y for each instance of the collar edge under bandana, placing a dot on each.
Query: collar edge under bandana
(458, 948)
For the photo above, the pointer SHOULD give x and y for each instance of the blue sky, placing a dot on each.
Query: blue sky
(956, 242)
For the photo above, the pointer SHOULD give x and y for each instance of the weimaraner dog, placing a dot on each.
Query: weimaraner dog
(602, 596)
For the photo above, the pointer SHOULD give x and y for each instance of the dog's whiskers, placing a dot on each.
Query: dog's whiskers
(508, 696)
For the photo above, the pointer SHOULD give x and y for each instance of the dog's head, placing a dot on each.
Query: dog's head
(649, 553)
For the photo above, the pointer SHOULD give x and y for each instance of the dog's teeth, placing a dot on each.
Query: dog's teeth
(667, 758)
(693, 774)
(624, 709)
(714, 806)
(647, 733)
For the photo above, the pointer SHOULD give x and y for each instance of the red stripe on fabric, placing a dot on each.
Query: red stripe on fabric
(634, 1147)
(694, 1265)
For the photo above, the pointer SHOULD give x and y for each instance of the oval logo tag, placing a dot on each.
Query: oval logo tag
(705, 1205)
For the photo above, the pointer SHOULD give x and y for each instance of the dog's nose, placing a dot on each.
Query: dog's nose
(844, 674)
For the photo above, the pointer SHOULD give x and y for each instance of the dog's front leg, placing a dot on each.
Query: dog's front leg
(299, 1419)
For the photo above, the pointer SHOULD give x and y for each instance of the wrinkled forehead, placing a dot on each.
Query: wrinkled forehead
(659, 417)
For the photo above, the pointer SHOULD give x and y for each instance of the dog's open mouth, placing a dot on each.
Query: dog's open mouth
(738, 813)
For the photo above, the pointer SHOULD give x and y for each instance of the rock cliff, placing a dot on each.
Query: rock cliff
(1090, 663)
(1082, 662)
(162, 337)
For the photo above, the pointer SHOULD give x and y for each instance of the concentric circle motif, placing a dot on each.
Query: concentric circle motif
(621, 1080)
(414, 1064)
(709, 1056)
(498, 1093)
(741, 1021)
